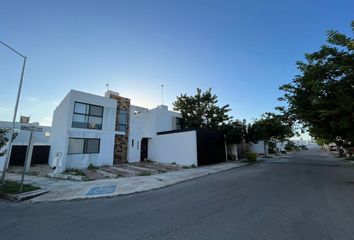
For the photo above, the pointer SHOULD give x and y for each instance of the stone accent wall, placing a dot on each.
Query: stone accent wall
(121, 141)
(120, 149)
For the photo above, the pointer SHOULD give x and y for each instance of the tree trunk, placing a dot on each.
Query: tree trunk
(265, 148)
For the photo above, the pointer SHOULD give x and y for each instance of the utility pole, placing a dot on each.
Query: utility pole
(7, 159)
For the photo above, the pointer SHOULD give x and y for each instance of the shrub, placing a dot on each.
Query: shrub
(291, 146)
(251, 157)
(92, 167)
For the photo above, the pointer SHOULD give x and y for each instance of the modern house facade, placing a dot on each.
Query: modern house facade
(83, 131)
(145, 124)
(93, 130)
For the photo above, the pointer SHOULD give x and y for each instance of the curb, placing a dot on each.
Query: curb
(23, 196)
(80, 198)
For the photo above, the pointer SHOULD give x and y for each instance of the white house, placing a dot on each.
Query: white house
(83, 131)
(89, 129)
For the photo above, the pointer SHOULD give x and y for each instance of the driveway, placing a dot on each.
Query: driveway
(308, 195)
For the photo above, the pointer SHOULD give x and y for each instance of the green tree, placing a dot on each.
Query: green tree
(321, 97)
(3, 140)
(201, 110)
(235, 131)
(270, 128)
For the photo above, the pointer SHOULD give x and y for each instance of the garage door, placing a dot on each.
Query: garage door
(40, 155)
(18, 154)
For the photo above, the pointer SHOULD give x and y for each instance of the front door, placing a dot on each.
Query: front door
(144, 149)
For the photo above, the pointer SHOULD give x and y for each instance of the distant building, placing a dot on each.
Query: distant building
(41, 145)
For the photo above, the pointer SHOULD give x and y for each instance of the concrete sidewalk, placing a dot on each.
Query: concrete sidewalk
(60, 190)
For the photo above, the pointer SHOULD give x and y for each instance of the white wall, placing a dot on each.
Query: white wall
(138, 122)
(257, 147)
(180, 148)
(60, 125)
(145, 123)
(62, 131)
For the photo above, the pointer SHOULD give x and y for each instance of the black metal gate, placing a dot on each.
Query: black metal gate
(210, 147)
(18, 155)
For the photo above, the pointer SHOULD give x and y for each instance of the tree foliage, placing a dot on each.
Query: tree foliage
(3, 140)
(270, 128)
(321, 96)
(235, 131)
(201, 110)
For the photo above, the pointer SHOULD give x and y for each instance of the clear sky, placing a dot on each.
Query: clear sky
(243, 50)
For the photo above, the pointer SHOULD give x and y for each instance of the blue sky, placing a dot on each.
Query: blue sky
(243, 50)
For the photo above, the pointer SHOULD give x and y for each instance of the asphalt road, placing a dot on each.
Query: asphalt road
(306, 196)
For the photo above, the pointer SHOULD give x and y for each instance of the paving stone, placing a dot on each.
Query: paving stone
(106, 174)
(93, 175)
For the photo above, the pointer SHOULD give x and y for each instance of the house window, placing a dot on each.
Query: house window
(178, 123)
(87, 116)
(83, 145)
(123, 120)
(47, 133)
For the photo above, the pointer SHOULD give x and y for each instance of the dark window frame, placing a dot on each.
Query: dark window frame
(86, 124)
(85, 146)
(179, 123)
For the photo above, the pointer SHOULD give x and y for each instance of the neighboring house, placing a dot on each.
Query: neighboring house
(40, 142)
(145, 124)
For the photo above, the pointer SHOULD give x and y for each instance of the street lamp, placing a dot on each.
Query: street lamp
(15, 110)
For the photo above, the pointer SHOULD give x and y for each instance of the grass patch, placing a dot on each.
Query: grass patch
(75, 172)
(144, 174)
(189, 166)
(14, 187)
(92, 167)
